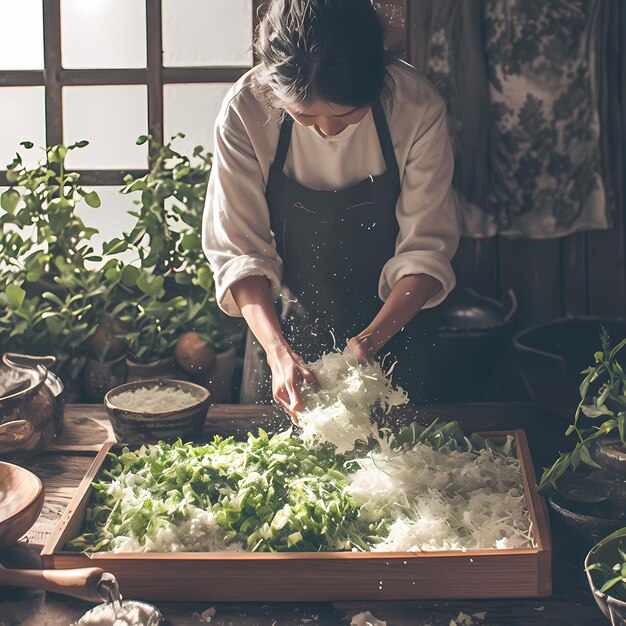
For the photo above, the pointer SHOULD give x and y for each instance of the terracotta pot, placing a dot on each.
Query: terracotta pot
(100, 376)
(220, 380)
(161, 368)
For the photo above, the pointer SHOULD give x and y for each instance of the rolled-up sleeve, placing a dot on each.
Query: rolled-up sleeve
(429, 228)
(236, 233)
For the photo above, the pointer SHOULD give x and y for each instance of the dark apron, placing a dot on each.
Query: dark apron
(334, 245)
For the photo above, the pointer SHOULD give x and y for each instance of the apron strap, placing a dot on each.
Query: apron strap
(386, 145)
(283, 142)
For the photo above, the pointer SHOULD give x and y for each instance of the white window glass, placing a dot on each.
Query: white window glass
(21, 41)
(103, 33)
(110, 118)
(192, 109)
(22, 119)
(207, 33)
(111, 218)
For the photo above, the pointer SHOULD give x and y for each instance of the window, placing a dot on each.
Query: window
(110, 70)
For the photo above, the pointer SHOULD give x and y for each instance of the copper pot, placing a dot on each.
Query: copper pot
(31, 404)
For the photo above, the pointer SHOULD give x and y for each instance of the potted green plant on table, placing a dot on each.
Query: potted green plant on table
(606, 573)
(166, 301)
(51, 299)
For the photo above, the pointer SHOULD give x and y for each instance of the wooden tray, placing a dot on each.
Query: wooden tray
(327, 576)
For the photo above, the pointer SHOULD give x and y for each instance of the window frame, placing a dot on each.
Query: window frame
(54, 77)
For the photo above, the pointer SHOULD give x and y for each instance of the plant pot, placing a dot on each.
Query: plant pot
(161, 368)
(606, 552)
(220, 380)
(100, 376)
(472, 329)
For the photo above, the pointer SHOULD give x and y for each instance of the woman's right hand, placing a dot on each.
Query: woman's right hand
(288, 373)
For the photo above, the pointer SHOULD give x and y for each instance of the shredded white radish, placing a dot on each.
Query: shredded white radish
(443, 500)
(339, 412)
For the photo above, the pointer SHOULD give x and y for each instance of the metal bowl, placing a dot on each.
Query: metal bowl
(151, 616)
(606, 552)
(21, 501)
(146, 426)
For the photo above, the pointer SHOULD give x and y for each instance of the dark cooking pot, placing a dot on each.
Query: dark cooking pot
(474, 336)
(551, 357)
(31, 404)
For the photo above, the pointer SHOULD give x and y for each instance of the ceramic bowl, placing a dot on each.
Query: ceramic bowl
(587, 525)
(149, 426)
(21, 501)
(613, 609)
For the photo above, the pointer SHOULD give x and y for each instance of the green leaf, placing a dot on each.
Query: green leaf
(115, 246)
(15, 295)
(9, 200)
(595, 411)
(27, 144)
(92, 199)
(191, 242)
(129, 277)
(150, 287)
(585, 457)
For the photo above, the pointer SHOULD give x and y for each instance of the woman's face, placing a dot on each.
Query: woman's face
(329, 119)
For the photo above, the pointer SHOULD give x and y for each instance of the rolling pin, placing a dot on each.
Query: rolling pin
(83, 583)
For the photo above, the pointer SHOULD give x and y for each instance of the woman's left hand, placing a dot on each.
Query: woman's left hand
(364, 348)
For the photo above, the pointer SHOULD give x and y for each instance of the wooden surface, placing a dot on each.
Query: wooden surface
(61, 469)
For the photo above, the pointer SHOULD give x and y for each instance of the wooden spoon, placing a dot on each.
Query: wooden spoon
(79, 583)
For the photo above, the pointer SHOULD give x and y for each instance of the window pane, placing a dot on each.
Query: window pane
(110, 118)
(207, 32)
(111, 218)
(22, 119)
(192, 109)
(21, 42)
(103, 33)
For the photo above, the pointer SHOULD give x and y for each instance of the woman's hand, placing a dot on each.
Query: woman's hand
(288, 373)
(364, 348)
(405, 300)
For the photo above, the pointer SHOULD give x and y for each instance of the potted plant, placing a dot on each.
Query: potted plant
(167, 299)
(606, 573)
(587, 485)
(51, 299)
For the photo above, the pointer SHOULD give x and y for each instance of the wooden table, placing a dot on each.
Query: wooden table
(86, 428)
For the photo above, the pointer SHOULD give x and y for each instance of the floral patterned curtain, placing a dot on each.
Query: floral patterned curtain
(522, 83)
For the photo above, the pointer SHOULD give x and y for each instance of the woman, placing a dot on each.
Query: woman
(329, 217)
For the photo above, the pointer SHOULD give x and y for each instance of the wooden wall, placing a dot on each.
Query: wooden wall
(583, 274)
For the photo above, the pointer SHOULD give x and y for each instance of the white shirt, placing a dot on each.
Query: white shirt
(237, 238)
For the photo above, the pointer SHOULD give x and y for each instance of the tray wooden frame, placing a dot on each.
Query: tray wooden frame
(327, 576)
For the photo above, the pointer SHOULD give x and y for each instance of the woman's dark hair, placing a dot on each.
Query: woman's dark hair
(331, 50)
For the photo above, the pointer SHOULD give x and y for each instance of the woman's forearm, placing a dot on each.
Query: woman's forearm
(253, 296)
(406, 299)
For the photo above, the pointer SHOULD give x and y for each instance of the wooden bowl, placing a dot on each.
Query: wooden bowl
(21, 501)
(150, 426)
(606, 552)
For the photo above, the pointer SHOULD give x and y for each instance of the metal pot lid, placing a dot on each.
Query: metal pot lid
(467, 310)
(16, 380)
